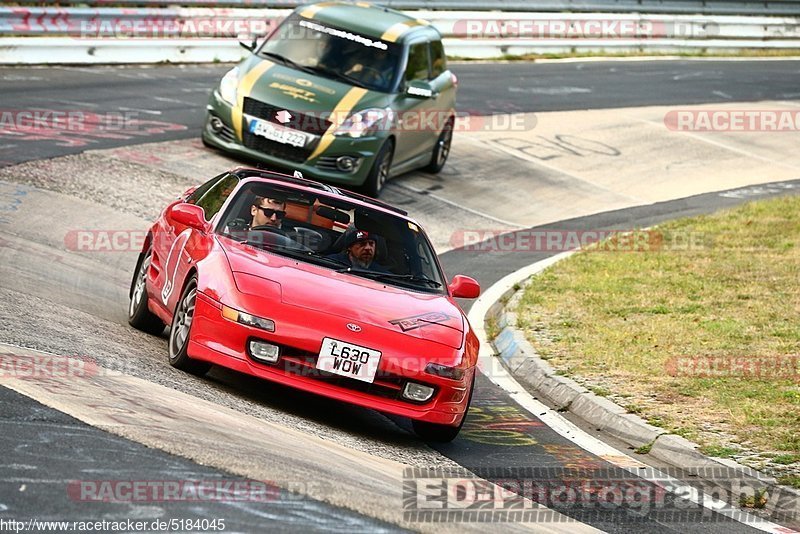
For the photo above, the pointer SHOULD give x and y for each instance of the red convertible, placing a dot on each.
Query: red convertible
(314, 287)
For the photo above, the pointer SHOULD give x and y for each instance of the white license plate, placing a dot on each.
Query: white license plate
(346, 359)
(277, 133)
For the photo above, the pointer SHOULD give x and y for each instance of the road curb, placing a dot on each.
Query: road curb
(539, 378)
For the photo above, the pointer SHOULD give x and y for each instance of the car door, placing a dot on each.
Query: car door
(414, 112)
(181, 246)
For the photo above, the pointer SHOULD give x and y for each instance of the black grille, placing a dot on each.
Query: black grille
(309, 123)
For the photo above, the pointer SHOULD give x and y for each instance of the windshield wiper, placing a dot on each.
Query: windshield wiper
(339, 75)
(391, 276)
(286, 61)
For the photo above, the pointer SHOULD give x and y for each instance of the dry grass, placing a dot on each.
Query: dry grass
(615, 320)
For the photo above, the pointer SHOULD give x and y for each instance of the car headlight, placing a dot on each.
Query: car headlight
(366, 122)
(247, 319)
(228, 85)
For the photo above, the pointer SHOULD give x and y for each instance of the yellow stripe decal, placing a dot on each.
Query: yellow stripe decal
(245, 86)
(363, 4)
(310, 11)
(395, 31)
(338, 116)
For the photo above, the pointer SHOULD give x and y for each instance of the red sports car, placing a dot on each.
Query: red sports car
(311, 286)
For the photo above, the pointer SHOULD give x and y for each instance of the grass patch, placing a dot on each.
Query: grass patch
(786, 459)
(790, 480)
(718, 451)
(758, 500)
(492, 328)
(706, 335)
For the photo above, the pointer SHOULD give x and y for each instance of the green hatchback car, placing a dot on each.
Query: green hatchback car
(346, 93)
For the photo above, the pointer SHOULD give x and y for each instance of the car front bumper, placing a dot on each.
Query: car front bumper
(223, 342)
(317, 168)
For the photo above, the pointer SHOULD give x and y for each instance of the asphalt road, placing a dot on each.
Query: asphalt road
(119, 106)
(170, 99)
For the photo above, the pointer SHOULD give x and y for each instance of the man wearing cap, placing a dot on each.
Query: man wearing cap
(359, 251)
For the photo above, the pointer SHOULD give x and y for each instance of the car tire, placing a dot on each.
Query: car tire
(139, 316)
(181, 329)
(379, 173)
(436, 433)
(441, 149)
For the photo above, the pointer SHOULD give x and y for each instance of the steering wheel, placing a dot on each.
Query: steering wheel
(280, 238)
(269, 228)
(377, 76)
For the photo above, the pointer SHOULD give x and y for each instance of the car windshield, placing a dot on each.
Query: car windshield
(334, 53)
(333, 232)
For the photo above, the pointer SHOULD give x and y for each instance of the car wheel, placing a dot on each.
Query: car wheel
(139, 316)
(433, 432)
(180, 330)
(442, 148)
(379, 172)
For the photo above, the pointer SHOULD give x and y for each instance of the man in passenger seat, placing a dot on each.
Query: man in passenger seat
(359, 251)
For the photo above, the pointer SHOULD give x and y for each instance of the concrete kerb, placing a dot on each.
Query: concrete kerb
(519, 357)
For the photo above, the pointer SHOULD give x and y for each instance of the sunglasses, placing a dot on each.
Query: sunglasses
(269, 212)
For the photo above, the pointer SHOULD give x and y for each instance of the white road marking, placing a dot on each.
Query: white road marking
(549, 90)
(721, 145)
(723, 95)
(459, 206)
(501, 378)
(146, 111)
(173, 100)
(521, 155)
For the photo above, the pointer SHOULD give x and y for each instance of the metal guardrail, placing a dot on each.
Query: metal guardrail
(188, 35)
(84, 23)
(701, 7)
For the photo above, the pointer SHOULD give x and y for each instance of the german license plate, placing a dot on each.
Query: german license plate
(346, 359)
(277, 133)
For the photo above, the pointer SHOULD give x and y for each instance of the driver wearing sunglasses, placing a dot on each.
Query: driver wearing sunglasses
(267, 212)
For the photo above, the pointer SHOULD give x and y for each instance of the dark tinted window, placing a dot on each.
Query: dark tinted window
(214, 197)
(438, 60)
(417, 68)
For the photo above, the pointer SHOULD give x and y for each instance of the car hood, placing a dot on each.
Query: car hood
(308, 93)
(355, 299)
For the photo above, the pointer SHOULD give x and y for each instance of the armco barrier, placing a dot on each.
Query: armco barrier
(114, 35)
(704, 7)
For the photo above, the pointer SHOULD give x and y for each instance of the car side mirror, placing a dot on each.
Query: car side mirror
(189, 215)
(251, 46)
(419, 89)
(464, 287)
